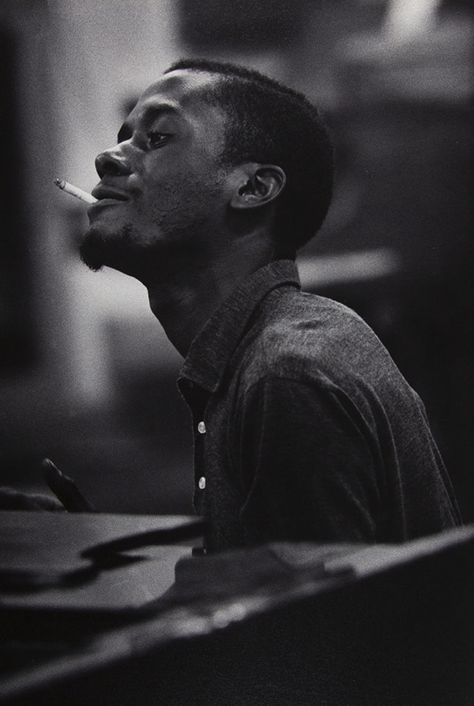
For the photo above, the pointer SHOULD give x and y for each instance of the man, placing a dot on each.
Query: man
(304, 428)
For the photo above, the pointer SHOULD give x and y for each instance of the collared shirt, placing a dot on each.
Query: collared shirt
(304, 428)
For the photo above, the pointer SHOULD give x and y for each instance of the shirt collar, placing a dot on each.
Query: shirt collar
(214, 345)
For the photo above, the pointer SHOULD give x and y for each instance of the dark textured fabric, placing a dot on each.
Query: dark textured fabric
(310, 431)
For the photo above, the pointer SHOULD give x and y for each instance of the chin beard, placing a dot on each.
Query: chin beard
(123, 251)
(120, 251)
(98, 250)
(91, 256)
(91, 249)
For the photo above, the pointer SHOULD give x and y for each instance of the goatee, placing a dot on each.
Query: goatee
(98, 250)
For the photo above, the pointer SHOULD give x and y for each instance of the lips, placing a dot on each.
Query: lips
(102, 192)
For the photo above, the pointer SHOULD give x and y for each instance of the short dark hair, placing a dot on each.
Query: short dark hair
(270, 123)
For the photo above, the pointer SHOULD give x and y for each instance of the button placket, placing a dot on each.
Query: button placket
(201, 429)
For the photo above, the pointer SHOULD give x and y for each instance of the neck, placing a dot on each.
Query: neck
(186, 293)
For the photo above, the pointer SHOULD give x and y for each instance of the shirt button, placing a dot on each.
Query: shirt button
(202, 483)
(201, 428)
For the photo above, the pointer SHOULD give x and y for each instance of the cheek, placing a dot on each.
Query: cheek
(183, 198)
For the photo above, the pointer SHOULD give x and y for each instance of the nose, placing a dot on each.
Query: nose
(112, 162)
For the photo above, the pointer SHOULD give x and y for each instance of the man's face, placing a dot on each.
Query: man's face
(161, 187)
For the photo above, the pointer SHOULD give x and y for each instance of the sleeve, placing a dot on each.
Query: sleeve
(306, 464)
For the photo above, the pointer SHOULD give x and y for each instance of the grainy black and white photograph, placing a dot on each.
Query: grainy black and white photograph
(236, 449)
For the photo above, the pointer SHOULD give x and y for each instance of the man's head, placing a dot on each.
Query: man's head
(269, 123)
(206, 147)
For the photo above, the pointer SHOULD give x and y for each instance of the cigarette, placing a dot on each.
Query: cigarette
(74, 191)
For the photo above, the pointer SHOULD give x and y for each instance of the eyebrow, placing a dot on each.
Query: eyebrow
(150, 113)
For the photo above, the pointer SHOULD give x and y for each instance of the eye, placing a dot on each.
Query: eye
(157, 139)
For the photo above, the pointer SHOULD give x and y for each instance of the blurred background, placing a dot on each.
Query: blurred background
(87, 376)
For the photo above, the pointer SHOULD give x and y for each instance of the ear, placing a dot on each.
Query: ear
(257, 185)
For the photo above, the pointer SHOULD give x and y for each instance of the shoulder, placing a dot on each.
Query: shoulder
(313, 340)
(302, 334)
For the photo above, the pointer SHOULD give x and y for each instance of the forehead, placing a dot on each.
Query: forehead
(180, 92)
